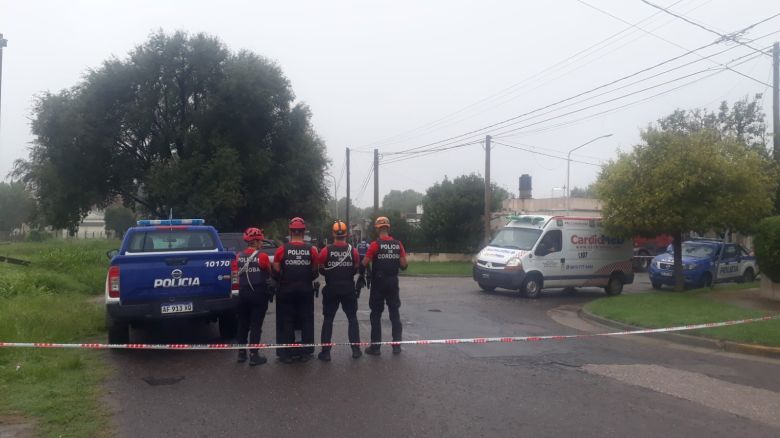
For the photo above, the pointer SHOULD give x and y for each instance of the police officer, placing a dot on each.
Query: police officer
(295, 263)
(339, 264)
(254, 278)
(386, 256)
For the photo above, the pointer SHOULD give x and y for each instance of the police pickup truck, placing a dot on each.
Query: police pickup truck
(705, 262)
(168, 269)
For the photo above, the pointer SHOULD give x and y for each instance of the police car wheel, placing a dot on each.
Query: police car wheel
(706, 280)
(486, 288)
(532, 287)
(748, 276)
(118, 333)
(656, 286)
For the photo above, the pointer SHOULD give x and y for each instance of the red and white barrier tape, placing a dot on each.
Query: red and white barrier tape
(366, 344)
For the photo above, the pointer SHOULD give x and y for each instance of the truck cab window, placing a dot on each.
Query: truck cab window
(551, 242)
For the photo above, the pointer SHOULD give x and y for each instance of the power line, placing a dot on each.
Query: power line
(723, 37)
(428, 152)
(543, 154)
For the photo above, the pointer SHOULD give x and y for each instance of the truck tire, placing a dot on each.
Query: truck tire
(118, 332)
(614, 285)
(485, 287)
(532, 286)
(706, 280)
(656, 286)
(642, 264)
(228, 325)
(749, 276)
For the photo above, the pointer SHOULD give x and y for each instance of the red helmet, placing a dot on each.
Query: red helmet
(297, 223)
(252, 234)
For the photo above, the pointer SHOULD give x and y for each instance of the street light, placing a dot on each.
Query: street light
(568, 167)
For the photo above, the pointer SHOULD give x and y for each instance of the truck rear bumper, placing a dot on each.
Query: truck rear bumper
(151, 311)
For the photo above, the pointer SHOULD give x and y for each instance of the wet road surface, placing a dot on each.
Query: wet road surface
(628, 386)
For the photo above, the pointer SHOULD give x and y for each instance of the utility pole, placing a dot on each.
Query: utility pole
(775, 99)
(376, 182)
(3, 43)
(346, 217)
(487, 189)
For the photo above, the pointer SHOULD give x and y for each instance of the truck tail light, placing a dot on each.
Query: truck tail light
(113, 282)
(234, 276)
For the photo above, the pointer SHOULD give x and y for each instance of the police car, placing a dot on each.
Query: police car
(170, 269)
(705, 262)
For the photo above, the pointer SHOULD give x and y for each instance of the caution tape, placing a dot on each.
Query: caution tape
(457, 341)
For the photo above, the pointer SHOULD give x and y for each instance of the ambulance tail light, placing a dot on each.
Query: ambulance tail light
(234, 277)
(113, 282)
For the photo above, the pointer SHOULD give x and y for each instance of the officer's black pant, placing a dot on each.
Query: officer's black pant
(385, 290)
(332, 297)
(295, 307)
(252, 306)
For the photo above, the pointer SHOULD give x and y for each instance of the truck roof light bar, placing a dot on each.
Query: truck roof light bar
(158, 222)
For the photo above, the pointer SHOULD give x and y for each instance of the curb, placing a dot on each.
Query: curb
(695, 341)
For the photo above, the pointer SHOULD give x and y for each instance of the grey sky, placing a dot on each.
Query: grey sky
(373, 70)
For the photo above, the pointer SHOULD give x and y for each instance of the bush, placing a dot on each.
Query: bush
(38, 236)
(767, 247)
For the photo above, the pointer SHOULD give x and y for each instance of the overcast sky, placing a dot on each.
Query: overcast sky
(398, 75)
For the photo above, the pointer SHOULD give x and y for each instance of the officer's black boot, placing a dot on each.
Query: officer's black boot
(356, 353)
(396, 349)
(373, 350)
(324, 355)
(241, 356)
(256, 358)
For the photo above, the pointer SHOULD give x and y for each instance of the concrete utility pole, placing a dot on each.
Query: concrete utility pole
(568, 167)
(487, 189)
(775, 99)
(376, 182)
(3, 43)
(346, 216)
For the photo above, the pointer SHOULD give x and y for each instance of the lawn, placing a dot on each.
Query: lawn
(454, 269)
(665, 309)
(53, 300)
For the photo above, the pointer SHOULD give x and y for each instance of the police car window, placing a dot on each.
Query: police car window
(171, 240)
(730, 251)
(697, 250)
(743, 251)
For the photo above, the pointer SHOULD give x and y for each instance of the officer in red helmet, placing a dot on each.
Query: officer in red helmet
(295, 263)
(254, 276)
(386, 256)
(339, 264)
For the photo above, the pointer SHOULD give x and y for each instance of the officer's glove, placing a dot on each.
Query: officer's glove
(361, 282)
(271, 283)
(316, 287)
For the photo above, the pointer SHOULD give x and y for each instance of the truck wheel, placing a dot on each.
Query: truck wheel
(118, 332)
(532, 286)
(706, 280)
(656, 286)
(228, 325)
(748, 276)
(614, 286)
(642, 264)
(486, 288)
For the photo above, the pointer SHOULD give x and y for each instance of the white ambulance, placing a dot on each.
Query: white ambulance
(532, 253)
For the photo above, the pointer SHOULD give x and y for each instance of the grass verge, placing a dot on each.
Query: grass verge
(665, 309)
(454, 269)
(52, 300)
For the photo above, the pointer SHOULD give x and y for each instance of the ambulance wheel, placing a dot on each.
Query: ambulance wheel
(228, 326)
(532, 286)
(486, 288)
(614, 286)
(118, 333)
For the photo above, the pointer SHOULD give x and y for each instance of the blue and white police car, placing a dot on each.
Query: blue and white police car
(705, 262)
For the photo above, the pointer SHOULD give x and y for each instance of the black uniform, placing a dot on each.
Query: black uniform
(253, 297)
(385, 264)
(339, 265)
(295, 300)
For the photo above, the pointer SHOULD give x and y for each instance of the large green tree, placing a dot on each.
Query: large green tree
(118, 219)
(686, 180)
(453, 215)
(16, 206)
(405, 201)
(182, 123)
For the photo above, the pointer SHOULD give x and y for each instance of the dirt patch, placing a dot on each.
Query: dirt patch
(16, 426)
(748, 299)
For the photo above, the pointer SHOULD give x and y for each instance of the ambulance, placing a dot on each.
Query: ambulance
(533, 252)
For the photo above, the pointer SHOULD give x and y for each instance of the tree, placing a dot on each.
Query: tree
(453, 212)
(16, 206)
(678, 181)
(182, 123)
(402, 201)
(587, 192)
(118, 219)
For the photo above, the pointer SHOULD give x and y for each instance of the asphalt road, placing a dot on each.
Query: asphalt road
(628, 386)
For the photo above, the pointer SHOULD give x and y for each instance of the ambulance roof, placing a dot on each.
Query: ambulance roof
(540, 221)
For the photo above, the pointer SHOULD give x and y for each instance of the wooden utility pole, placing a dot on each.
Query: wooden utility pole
(487, 189)
(776, 99)
(346, 217)
(376, 182)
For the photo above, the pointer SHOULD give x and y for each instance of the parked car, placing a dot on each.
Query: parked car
(235, 242)
(705, 262)
(645, 248)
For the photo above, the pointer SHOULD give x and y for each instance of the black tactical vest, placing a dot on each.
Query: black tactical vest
(340, 268)
(296, 268)
(252, 274)
(387, 259)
